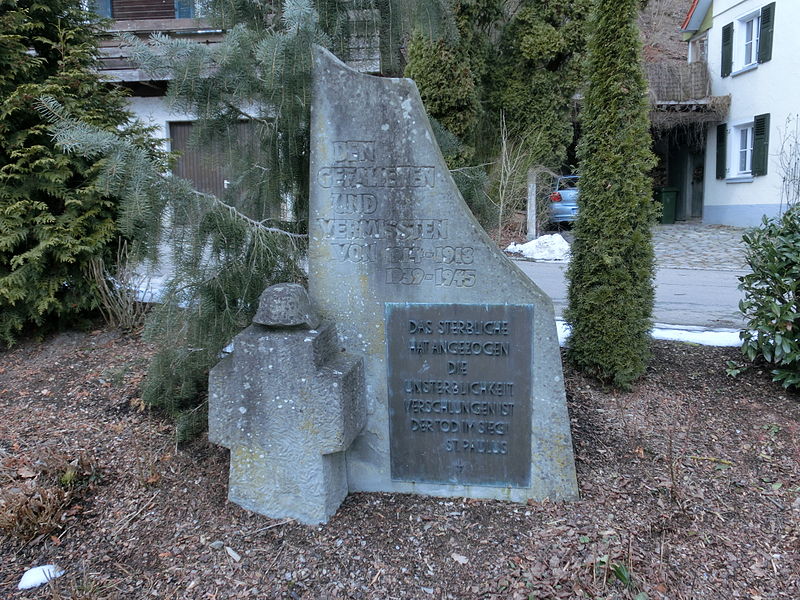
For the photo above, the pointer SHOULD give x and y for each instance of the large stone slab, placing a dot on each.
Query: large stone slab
(391, 240)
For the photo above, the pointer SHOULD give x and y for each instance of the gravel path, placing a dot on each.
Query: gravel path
(697, 246)
(693, 245)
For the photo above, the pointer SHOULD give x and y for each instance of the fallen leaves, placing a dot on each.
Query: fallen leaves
(26, 472)
(188, 541)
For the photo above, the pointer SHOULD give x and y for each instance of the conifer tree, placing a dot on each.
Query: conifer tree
(535, 73)
(610, 276)
(223, 251)
(448, 71)
(447, 85)
(54, 218)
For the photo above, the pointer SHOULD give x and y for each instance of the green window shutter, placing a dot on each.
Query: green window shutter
(722, 149)
(727, 49)
(765, 35)
(760, 144)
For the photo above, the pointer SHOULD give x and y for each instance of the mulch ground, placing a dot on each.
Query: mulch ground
(690, 488)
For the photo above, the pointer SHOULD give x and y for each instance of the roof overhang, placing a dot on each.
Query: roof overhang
(696, 15)
(668, 114)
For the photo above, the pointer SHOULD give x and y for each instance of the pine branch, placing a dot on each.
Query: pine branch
(259, 225)
(250, 95)
(246, 115)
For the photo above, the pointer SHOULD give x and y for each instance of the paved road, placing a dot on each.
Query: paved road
(696, 297)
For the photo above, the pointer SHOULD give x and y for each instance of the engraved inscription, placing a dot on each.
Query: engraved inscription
(356, 252)
(379, 229)
(408, 252)
(354, 204)
(354, 151)
(439, 277)
(459, 392)
(377, 177)
(439, 254)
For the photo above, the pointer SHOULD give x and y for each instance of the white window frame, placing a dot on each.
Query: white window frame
(741, 44)
(698, 49)
(745, 150)
(740, 148)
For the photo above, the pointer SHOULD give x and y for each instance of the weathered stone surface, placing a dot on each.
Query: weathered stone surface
(387, 225)
(287, 403)
(286, 305)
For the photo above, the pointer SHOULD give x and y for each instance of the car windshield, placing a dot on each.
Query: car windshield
(567, 183)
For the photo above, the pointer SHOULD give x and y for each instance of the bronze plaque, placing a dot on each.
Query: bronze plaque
(459, 393)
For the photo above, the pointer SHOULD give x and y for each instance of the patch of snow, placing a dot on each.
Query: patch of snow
(704, 337)
(563, 332)
(545, 248)
(694, 335)
(39, 576)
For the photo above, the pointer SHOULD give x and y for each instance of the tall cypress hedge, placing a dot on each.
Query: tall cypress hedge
(611, 274)
(535, 72)
(446, 82)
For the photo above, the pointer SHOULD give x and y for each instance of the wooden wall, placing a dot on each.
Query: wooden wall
(143, 9)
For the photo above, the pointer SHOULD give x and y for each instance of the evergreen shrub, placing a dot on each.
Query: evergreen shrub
(610, 275)
(771, 305)
(534, 74)
(449, 90)
(446, 83)
(55, 218)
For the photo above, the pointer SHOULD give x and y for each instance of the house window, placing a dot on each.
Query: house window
(211, 167)
(698, 49)
(101, 8)
(744, 153)
(743, 149)
(750, 29)
(143, 9)
(204, 166)
(747, 41)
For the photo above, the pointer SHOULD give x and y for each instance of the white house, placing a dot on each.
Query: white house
(752, 50)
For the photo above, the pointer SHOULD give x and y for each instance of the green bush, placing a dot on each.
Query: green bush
(55, 219)
(535, 72)
(771, 304)
(611, 272)
(446, 83)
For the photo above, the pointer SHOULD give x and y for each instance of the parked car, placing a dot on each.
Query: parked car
(564, 200)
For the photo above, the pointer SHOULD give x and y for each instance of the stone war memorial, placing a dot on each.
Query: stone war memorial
(433, 367)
